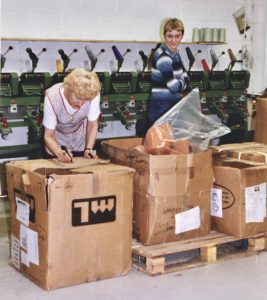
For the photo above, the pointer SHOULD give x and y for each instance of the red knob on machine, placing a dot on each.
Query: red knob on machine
(101, 118)
(39, 122)
(127, 114)
(5, 124)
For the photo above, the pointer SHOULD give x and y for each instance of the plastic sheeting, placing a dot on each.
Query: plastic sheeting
(185, 122)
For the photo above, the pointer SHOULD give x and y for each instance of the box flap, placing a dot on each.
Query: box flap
(238, 163)
(102, 168)
(125, 143)
(236, 147)
(78, 162)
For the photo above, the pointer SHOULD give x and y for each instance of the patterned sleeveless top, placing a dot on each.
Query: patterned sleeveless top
(70, 130)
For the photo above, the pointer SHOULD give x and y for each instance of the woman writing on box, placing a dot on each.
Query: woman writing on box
(71, 110)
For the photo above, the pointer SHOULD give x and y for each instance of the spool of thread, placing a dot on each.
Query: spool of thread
(195, 35)
(90, 53)
(201, 34)
(207, 36)
(215, 35)
(59, 66)
(117, 53)
(222, 35)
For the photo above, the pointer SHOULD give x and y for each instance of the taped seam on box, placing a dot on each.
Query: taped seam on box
(236, 147)
(190, 170)
(249, 152)
(95, 184)
(264, 154)
(23, 190)
(186, 202)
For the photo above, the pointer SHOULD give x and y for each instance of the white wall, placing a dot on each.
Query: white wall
(112, 20)
(127, 20)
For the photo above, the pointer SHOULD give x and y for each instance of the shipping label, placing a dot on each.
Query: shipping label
(187, 220)
(216, 209)
(29, 242)
(23, 211)
(25, 204)
(255, 200)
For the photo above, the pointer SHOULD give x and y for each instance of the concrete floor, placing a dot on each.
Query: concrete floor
(244, 278)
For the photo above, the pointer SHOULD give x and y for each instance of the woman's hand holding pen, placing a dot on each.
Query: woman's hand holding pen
(89, 153)
(64, 155)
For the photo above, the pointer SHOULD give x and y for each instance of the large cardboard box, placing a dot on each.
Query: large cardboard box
(238, 200)
(70, 226)
(171, 192)
(261, 121)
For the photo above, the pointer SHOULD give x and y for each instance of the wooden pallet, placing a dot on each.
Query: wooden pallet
(182, 255)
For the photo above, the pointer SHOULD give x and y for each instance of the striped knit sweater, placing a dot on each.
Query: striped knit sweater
(168, 78)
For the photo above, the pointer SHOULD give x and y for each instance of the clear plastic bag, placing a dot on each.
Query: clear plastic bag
(183, 128)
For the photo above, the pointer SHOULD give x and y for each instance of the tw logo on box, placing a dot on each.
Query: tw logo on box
(91, 211)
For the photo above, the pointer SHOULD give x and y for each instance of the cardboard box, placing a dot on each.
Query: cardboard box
(70, 226)
(261, 121)
(226, 148)
(171, 192)
(251, 151)
(238, 200)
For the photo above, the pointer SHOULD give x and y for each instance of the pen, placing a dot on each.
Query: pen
(64, 148)
(91, 155)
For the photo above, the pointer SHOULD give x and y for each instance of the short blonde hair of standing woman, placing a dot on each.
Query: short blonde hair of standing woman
(173, 24)
(83, 84)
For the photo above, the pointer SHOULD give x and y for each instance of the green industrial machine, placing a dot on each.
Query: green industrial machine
(124, 100)
(124, 95)
(34, 84)
(21, 100)
(223, 93)
(9, 84)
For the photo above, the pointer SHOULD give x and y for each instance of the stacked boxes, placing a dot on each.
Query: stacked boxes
(238, 201)
(251, 151)
(70, 226)
(171, 192)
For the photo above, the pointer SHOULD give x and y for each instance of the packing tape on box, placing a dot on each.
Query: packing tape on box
(186, 202)
(25, 181)
(244, 152)
(240, 155)
(190, 165)
(95, 184)
(190, 170)
(242, 146)
(264, 154)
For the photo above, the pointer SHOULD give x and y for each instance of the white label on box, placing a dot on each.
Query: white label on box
(15, 251)
(23, 237)
(255, 199)
(32, 241)
(24, 258)
(216, 203)
(23, 211)
(187, 220)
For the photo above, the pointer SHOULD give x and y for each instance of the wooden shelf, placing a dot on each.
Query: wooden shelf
(100, 41)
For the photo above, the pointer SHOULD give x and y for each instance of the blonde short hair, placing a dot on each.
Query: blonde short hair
(173, 24)
(83, 84)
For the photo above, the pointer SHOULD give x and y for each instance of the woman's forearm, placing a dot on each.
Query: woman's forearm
(92, 127)
(50, 142)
